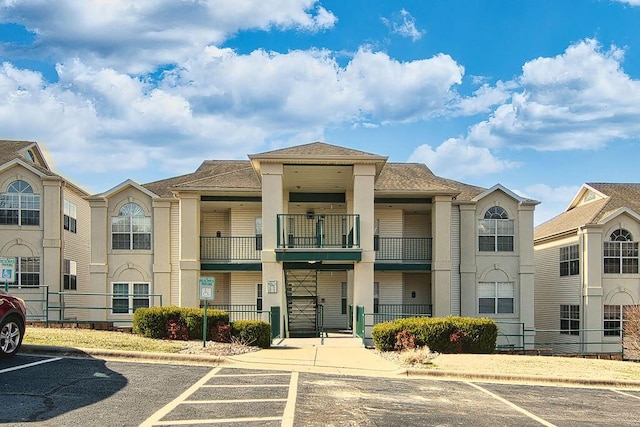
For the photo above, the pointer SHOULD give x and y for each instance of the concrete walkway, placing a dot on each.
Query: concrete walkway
(336, 354)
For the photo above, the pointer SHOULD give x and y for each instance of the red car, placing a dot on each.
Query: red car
(13, 315)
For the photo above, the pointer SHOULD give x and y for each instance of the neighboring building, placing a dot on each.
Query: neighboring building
(587, 269)
(316, 229)
(44, 225)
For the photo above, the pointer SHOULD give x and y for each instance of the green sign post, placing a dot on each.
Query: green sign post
(8, 271)
(207, 291)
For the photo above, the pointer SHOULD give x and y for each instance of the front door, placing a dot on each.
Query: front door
(302, 302)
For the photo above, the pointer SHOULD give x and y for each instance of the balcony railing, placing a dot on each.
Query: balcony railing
(225, 249)
(318, 231)
(403, 248)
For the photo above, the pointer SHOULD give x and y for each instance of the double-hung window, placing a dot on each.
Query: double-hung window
(620, 253)
(27, 272)
(570, 319)
(70, 282)
(127, 297)
(496, 231)
(569, 260)
(19, 206)
(496, 298)
(259, 296)
(131, 229)
(70, 216)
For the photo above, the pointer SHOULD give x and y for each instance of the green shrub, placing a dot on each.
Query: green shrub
(252, 332)
(169, 322)
(444, 335)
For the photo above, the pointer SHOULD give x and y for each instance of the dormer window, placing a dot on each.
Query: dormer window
(19, 206)
(496, 231)
(131, 229)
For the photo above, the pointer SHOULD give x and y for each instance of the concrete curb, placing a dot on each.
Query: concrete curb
(203, 359)
(521, 378)
(120, 354)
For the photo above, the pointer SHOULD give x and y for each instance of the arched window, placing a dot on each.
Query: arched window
(131, 229)
(496, 231)
(620, 253)
(19, 206)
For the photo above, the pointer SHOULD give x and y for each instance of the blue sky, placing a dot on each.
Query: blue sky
(538, 95)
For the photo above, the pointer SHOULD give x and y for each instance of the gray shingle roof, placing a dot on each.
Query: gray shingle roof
(619, 195)
(317, 149)
(11, 150)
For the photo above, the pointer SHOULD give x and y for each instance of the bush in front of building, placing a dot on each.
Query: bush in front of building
(177, 322)
(252, 332)
(450, 334)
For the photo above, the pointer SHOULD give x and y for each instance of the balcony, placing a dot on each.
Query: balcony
(404, 249)
(230, 249)
(318, 237)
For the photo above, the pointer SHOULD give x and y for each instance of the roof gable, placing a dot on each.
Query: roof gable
(124, 185)
(315, 149)
(505, 190)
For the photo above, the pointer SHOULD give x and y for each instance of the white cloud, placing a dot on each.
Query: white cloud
(138, 36)
(629, 2)
(580, 99)
(214, 105)
(404, 24)
(456, 158)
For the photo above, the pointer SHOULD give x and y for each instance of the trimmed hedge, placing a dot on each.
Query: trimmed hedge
(163, 322)
(252, 332)
(450, 334)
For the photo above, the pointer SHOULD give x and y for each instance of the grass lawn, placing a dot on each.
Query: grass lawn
(87, 338)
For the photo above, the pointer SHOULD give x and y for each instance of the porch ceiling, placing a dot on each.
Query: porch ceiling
(318, 178)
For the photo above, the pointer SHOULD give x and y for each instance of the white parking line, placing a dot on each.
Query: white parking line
(287, 418)
(290, 408)
(29, 365)
(155, 418)
(512, 405)
(626, 394)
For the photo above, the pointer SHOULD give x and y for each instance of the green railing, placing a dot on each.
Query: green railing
(225, 249)
(243, 312)
(402, 248)
(318, 231)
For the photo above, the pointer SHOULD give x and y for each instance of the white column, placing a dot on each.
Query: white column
(161, 251)
(272, 205)
(591, 272)
(189, 249)
(441, 264)
(363, 205)
(468, 249)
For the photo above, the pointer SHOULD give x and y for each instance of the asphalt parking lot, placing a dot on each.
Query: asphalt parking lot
(66, 391)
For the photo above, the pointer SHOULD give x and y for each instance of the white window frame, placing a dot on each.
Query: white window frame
(259, 297)
(133, 297)
(496, 291)
(70, 217)
(70, 275)
(570, 319)
(570, 260)
(132, 222)
(19, 197)
(497, 229)
(621, 252)
(27, 265)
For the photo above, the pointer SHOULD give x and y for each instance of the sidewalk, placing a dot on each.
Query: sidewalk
(337, 354)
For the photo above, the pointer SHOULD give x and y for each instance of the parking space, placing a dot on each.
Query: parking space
(248, 397)
(66, 391)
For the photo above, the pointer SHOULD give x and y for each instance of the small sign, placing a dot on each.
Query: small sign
(272, 286)
(207, 288)
(8, 270)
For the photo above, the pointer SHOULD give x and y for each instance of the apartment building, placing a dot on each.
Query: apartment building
(311, 232)
(587, 269)
(44, 226)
